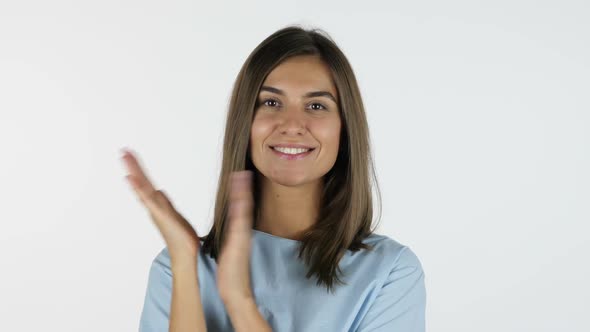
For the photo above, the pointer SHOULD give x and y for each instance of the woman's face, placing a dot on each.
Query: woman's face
(295, 106)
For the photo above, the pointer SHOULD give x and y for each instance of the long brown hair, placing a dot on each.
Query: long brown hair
(346, 214)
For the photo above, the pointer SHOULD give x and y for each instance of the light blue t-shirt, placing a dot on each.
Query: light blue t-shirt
(385, 290)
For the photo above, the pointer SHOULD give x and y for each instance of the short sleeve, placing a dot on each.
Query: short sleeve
(156, 308)
(400, 304)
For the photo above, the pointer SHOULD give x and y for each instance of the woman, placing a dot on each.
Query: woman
(291, 247)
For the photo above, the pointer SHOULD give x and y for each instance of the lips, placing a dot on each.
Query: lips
(287, 156)
(292, 145)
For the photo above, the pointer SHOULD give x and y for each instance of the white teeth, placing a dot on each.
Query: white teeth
(290, 150)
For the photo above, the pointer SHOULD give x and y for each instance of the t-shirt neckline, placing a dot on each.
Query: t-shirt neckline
(274, 237)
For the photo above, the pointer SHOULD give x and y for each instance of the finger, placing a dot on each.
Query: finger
(165, 200)
(240, 184)
(240, 218)
(141, 180)
(154, 201)
(238, 230)
(142, 185)
(241, 200)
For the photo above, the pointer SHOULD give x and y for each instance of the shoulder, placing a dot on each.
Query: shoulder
(161, 263)
(391, 248)
(399, 302)
(392, 255)
(156, 306)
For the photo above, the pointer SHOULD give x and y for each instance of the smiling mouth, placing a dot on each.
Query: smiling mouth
(288, 156)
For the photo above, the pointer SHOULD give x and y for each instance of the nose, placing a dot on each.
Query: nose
(292, 122)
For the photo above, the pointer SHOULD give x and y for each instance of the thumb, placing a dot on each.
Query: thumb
(162, 198)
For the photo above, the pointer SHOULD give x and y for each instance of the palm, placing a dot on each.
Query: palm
(233, 270)
(179, 235)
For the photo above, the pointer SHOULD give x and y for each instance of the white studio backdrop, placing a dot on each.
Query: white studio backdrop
(479, 119)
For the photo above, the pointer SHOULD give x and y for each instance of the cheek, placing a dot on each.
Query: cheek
(328, 134)
(259, 131)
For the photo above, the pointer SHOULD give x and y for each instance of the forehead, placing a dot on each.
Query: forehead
(300, 74)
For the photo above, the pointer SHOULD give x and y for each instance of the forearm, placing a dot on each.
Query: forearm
(244, 316)
(186, 311)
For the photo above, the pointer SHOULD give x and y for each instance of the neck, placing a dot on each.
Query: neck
(287, 211)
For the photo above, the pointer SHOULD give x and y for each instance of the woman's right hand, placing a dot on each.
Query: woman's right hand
(180, 237)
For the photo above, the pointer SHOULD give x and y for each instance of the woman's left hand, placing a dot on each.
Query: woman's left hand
(233, 268)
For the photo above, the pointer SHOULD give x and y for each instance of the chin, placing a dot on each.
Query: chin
(289, 179)
(289, 182)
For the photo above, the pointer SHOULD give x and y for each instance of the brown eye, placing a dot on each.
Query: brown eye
(266, 100)
(324, 107)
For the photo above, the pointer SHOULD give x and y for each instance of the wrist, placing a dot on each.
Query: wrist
(183, 262)
(245, 316)
(236, 304)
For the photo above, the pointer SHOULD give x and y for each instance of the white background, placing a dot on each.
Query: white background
(479, 119)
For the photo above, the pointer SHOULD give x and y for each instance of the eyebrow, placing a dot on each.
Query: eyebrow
(307, 95)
